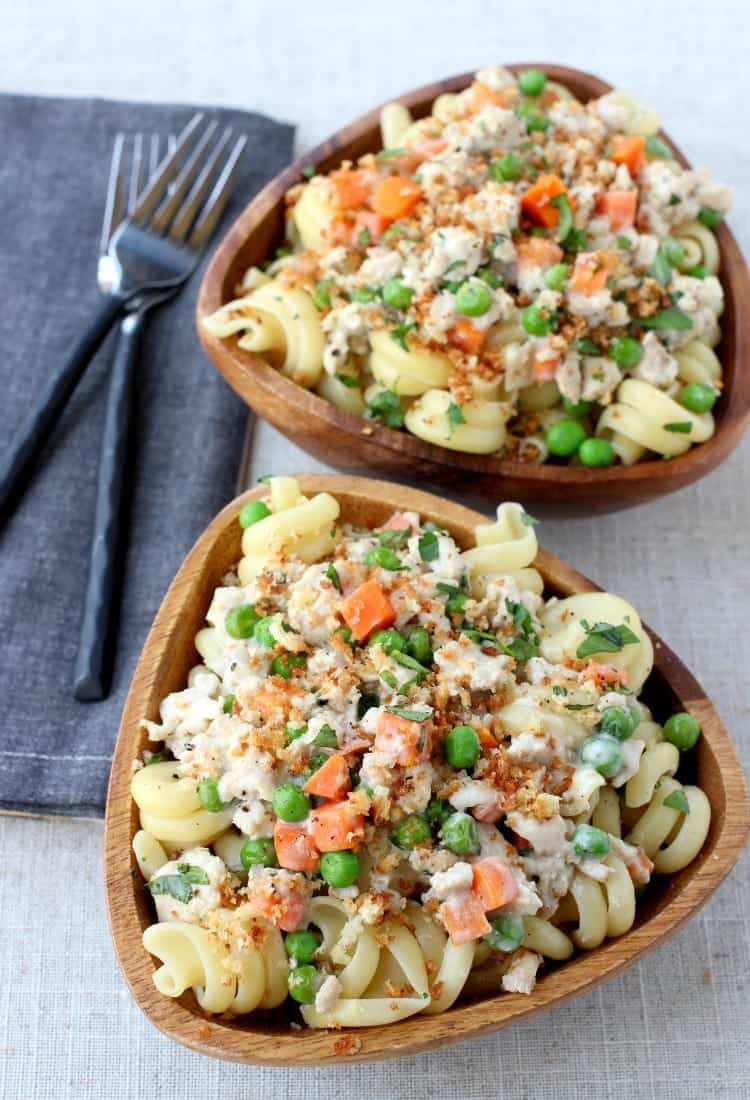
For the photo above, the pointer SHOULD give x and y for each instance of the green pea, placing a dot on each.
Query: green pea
(535, 321)
(576, 409)
(302, 945)
(506, 168)
(699, 397)
(389, 640)
(345, 633)
(587, 840)
(259, 851)
(253, 512)
(556, 276)
(709, 217)
(228, 706)
(459, 834)
(302, 981)
(602, 753)
(419, 645)
(339, 869)
(533, 117)
(321, 297)
(290, 802)
(262, 632)
(411, 831)
(397, 295)
(682, 730)
(240, 621)
(618, 722)
(625, 351)
(208, 792)
(507, 934)
(293, 732)
(326, 738)
(364, 294)
(564, 437)
(700, 271)
(473, 299)
(532, 82)
(462, 747)
(596, 452)
(285, 663)
(437, 810)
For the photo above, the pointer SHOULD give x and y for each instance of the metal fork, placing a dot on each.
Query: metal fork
(129, 255)
(156, 248)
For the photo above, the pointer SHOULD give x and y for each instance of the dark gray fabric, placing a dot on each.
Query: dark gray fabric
(54, 161)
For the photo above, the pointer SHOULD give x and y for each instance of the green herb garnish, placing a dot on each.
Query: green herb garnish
(179, 885)
(605, 638)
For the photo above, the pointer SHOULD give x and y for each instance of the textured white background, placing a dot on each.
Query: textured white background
(674, 1028)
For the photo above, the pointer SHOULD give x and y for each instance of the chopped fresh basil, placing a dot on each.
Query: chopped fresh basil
(672, 317)
(576, 241)
(392, 231)
(655, 147)
(584, 346)
(455, 415)
(677, 800)
(309, 171)
(578, 706)
(389, 154)
(565, 221)
(385, 558)
(265, 479)
(333, 575)
(558, 690)
(406, 661)
(428, 546)
(409, 714)
(321, 297)
(527, 519)
(661, 268)
(386, 406)
(400, 332)
(396, 540)
(683, 426)
(179, 885)
(624, 242)
(605, 638)
(348, 380)
(364, 238)
(389, 679)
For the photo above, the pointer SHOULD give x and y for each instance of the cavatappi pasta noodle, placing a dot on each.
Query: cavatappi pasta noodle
(400, 773)
(516, 274)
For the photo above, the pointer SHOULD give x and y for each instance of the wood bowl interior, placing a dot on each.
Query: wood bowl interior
(168, 655)
(353, 444)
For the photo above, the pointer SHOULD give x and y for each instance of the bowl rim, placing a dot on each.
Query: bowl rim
(182, 1019)
(248, 368)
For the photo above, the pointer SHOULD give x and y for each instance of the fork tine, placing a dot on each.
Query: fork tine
(113, 201)
(188, 212)
(217, 200)
(153, 155)
(167, 169)
(163, 216)
(138, 177)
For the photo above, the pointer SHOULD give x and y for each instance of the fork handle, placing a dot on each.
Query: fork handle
(30, 438)
(95, 646)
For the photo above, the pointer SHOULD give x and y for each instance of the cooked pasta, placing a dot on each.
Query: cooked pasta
(399, 774)
(516, 274)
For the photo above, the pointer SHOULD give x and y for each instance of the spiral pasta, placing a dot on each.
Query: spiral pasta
(506, 547)
(406, 372)
(643, 418)
(170, 809)
(481, 429)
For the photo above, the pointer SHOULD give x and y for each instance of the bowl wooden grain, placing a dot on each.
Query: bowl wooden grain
(353, 444)
(168, 655)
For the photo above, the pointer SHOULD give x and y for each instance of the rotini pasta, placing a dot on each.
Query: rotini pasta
(400, 775)
(516, 274)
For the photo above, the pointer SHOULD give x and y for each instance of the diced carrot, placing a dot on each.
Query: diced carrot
(294, 848)
(407, 742)
(284, 910)
(356, 746)
(493, 883)
(486, 740)
(399, 521)
(463, 917)
(591, 271)
(335, 826)
(352, 188)
(331, 780)
(428, 147)
(605, 674)
(629, 150)
(340, 229)
(396, 196)
(546, 361)
(534, 252)
(467, 336)
(488, 814)
(484, 96)
(618, 207)
(367, 609)
(373, 226)
(536, 202)
(639, 868)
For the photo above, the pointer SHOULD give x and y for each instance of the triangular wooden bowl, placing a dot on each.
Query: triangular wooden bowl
(168, 655)
(353, 444)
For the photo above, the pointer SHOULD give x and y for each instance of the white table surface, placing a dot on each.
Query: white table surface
(673, 1028)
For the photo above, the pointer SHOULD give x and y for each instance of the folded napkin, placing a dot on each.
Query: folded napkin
(55, 752)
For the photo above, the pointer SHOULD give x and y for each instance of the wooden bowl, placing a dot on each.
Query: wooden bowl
(168, 655)
(353, 444)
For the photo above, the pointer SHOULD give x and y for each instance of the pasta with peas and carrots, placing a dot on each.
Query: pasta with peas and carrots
(401, 774)
(516, 274)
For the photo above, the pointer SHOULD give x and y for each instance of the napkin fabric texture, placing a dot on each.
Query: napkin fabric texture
(55, 752)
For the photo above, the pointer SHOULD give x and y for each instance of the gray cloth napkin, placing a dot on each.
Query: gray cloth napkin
(54, 161)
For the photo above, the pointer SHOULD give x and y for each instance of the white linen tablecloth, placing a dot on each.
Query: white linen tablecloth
(672, 1028)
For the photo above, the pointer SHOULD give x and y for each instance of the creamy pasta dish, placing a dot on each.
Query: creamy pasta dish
(517, 274)
(401, 773)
